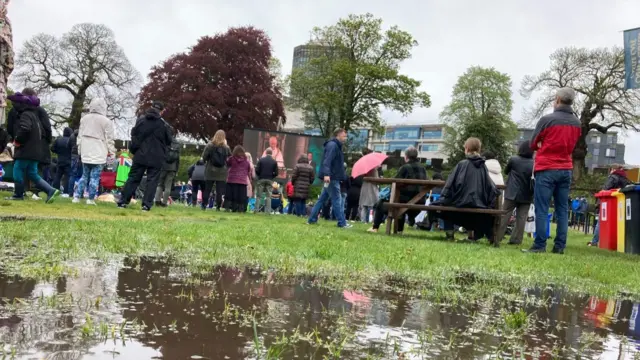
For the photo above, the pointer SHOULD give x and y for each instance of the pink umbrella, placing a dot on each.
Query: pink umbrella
(367, 163)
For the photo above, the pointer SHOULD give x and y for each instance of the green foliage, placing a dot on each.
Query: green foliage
(480, 107)
(354, 73)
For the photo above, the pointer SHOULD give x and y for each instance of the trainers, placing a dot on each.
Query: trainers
(558, 251)
(14, 198)
(91, 202)
(35, 197)
(65, 196)
(372, 230)
(122, 206)
(51, 198)
(146, 209)
(75, 200)
(347, 226)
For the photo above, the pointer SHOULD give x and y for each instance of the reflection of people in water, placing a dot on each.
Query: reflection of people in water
(275, 152)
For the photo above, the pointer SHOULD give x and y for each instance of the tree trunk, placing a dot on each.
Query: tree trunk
(76, 109)
(580, 153)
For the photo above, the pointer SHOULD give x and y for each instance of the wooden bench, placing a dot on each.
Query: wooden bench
(397, 209)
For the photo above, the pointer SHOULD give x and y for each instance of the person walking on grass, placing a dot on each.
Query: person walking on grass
(554, 140)
(237, 180)
(95, 144)
(61, 148)
(302, 178)
(30, 145)
(266, 171)
(215, 156)
(617, 179)
(332, 172)
(168, 174)
(150, 141)
(518, 195)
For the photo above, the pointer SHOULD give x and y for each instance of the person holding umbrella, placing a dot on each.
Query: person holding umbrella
(368, 166)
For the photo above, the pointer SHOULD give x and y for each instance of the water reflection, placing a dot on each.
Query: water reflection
(145, 309)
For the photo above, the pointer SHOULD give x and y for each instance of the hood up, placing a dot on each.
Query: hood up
(98, 106)
(493, 166)
(67, 132)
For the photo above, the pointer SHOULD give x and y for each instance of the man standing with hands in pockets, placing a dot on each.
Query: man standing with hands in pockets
(332, 172)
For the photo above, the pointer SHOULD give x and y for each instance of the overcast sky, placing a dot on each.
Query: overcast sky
(514, 36)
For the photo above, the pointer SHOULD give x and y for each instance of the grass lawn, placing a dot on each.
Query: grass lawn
(63, 232)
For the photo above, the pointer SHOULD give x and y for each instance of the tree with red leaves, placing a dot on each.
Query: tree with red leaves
(223, 82)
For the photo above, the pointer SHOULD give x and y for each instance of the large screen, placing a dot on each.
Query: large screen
(286, 148)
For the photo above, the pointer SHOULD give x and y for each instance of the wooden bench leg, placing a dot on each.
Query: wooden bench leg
(495, 240)
(389, 221)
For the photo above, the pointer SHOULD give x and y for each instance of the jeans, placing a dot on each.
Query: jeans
(596, 234)
(30, 168)
(91, 175)
(300, 207)
(164, 186)
(263, 195)
(364, 215)
(332, 191)
(556, 184)
(75, 173)
(62, 171)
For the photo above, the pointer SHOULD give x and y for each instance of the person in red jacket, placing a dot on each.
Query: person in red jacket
(290, 198)
(553, 140)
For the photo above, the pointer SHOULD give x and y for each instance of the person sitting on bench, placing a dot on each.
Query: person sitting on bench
(411, 170)
(468, 186)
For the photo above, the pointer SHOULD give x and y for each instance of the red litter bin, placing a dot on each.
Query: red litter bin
(608, 220)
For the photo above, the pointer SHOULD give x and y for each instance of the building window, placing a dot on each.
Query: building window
(611, 153)
(595, 159)
(402, 146)
(595, 139)
(379, 148)
(432, 134)
(596, 152)
(429, 147)
(611, 139)
(406, 134)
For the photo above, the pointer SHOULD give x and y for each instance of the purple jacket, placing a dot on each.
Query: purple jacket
(239, 170)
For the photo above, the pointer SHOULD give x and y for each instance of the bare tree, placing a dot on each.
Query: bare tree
(86, 62)
(597, 75)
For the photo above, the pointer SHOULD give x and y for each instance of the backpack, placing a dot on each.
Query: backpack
(218, 158)
(174, 154)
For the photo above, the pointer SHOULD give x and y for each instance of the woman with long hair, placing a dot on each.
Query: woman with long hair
(215, 156)
(237, 180)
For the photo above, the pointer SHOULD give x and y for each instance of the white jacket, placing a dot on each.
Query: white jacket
(495, 171)
(95, 137)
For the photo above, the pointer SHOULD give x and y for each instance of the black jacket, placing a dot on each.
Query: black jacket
(61, 148)
(519, 170)
(29, 134)
(353, 194)
(616, 180)
(73, 143)
(267, 168)
(411, 170)
(150, 140)
(196, 171)
(45, 123)
(469, 186)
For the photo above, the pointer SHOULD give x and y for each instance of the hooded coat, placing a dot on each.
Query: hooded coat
(469, 185)
(333, 161)
(519, 170)
(616, 180)
(495, 171)
(30, 135)
(302, 178)
(196, 171)
(150, 140)
(214, 173)
(369, 192)
(61, 148)
(239, 170)
(95, 136)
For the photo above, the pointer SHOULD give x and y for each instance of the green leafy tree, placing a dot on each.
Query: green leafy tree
(597, 76)
(354, 72)
(480, 107)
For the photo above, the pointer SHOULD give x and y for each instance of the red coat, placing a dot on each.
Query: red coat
(290, 189)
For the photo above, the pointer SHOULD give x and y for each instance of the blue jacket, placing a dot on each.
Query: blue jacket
(333, 161)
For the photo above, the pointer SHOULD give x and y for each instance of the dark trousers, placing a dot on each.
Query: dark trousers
(300, 207)
(352, 210)
(236, 197)
(135, 177)
(381, 210)
(291, 207)
(195, 186)
(63, 171)
(221, 188)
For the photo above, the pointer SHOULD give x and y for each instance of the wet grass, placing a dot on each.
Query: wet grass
(420, 261)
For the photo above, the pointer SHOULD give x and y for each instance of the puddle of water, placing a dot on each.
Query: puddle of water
(146, 309)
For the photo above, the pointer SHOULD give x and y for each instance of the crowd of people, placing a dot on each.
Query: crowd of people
(228, 178)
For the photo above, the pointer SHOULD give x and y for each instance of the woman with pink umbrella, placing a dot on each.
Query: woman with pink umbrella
(368, 166)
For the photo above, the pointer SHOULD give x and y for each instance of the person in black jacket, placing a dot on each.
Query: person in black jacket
(75, 172)
(266, 170)
(353, 198)
(150, 141)
(29, 137)
(518, 195)
(617, 179)
(411, 170)
(468, 186)
(61, 148)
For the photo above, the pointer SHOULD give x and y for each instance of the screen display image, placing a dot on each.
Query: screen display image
(286, 149)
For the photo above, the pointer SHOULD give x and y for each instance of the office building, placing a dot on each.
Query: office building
(303, 53)
(602, 149)
(428, 139)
